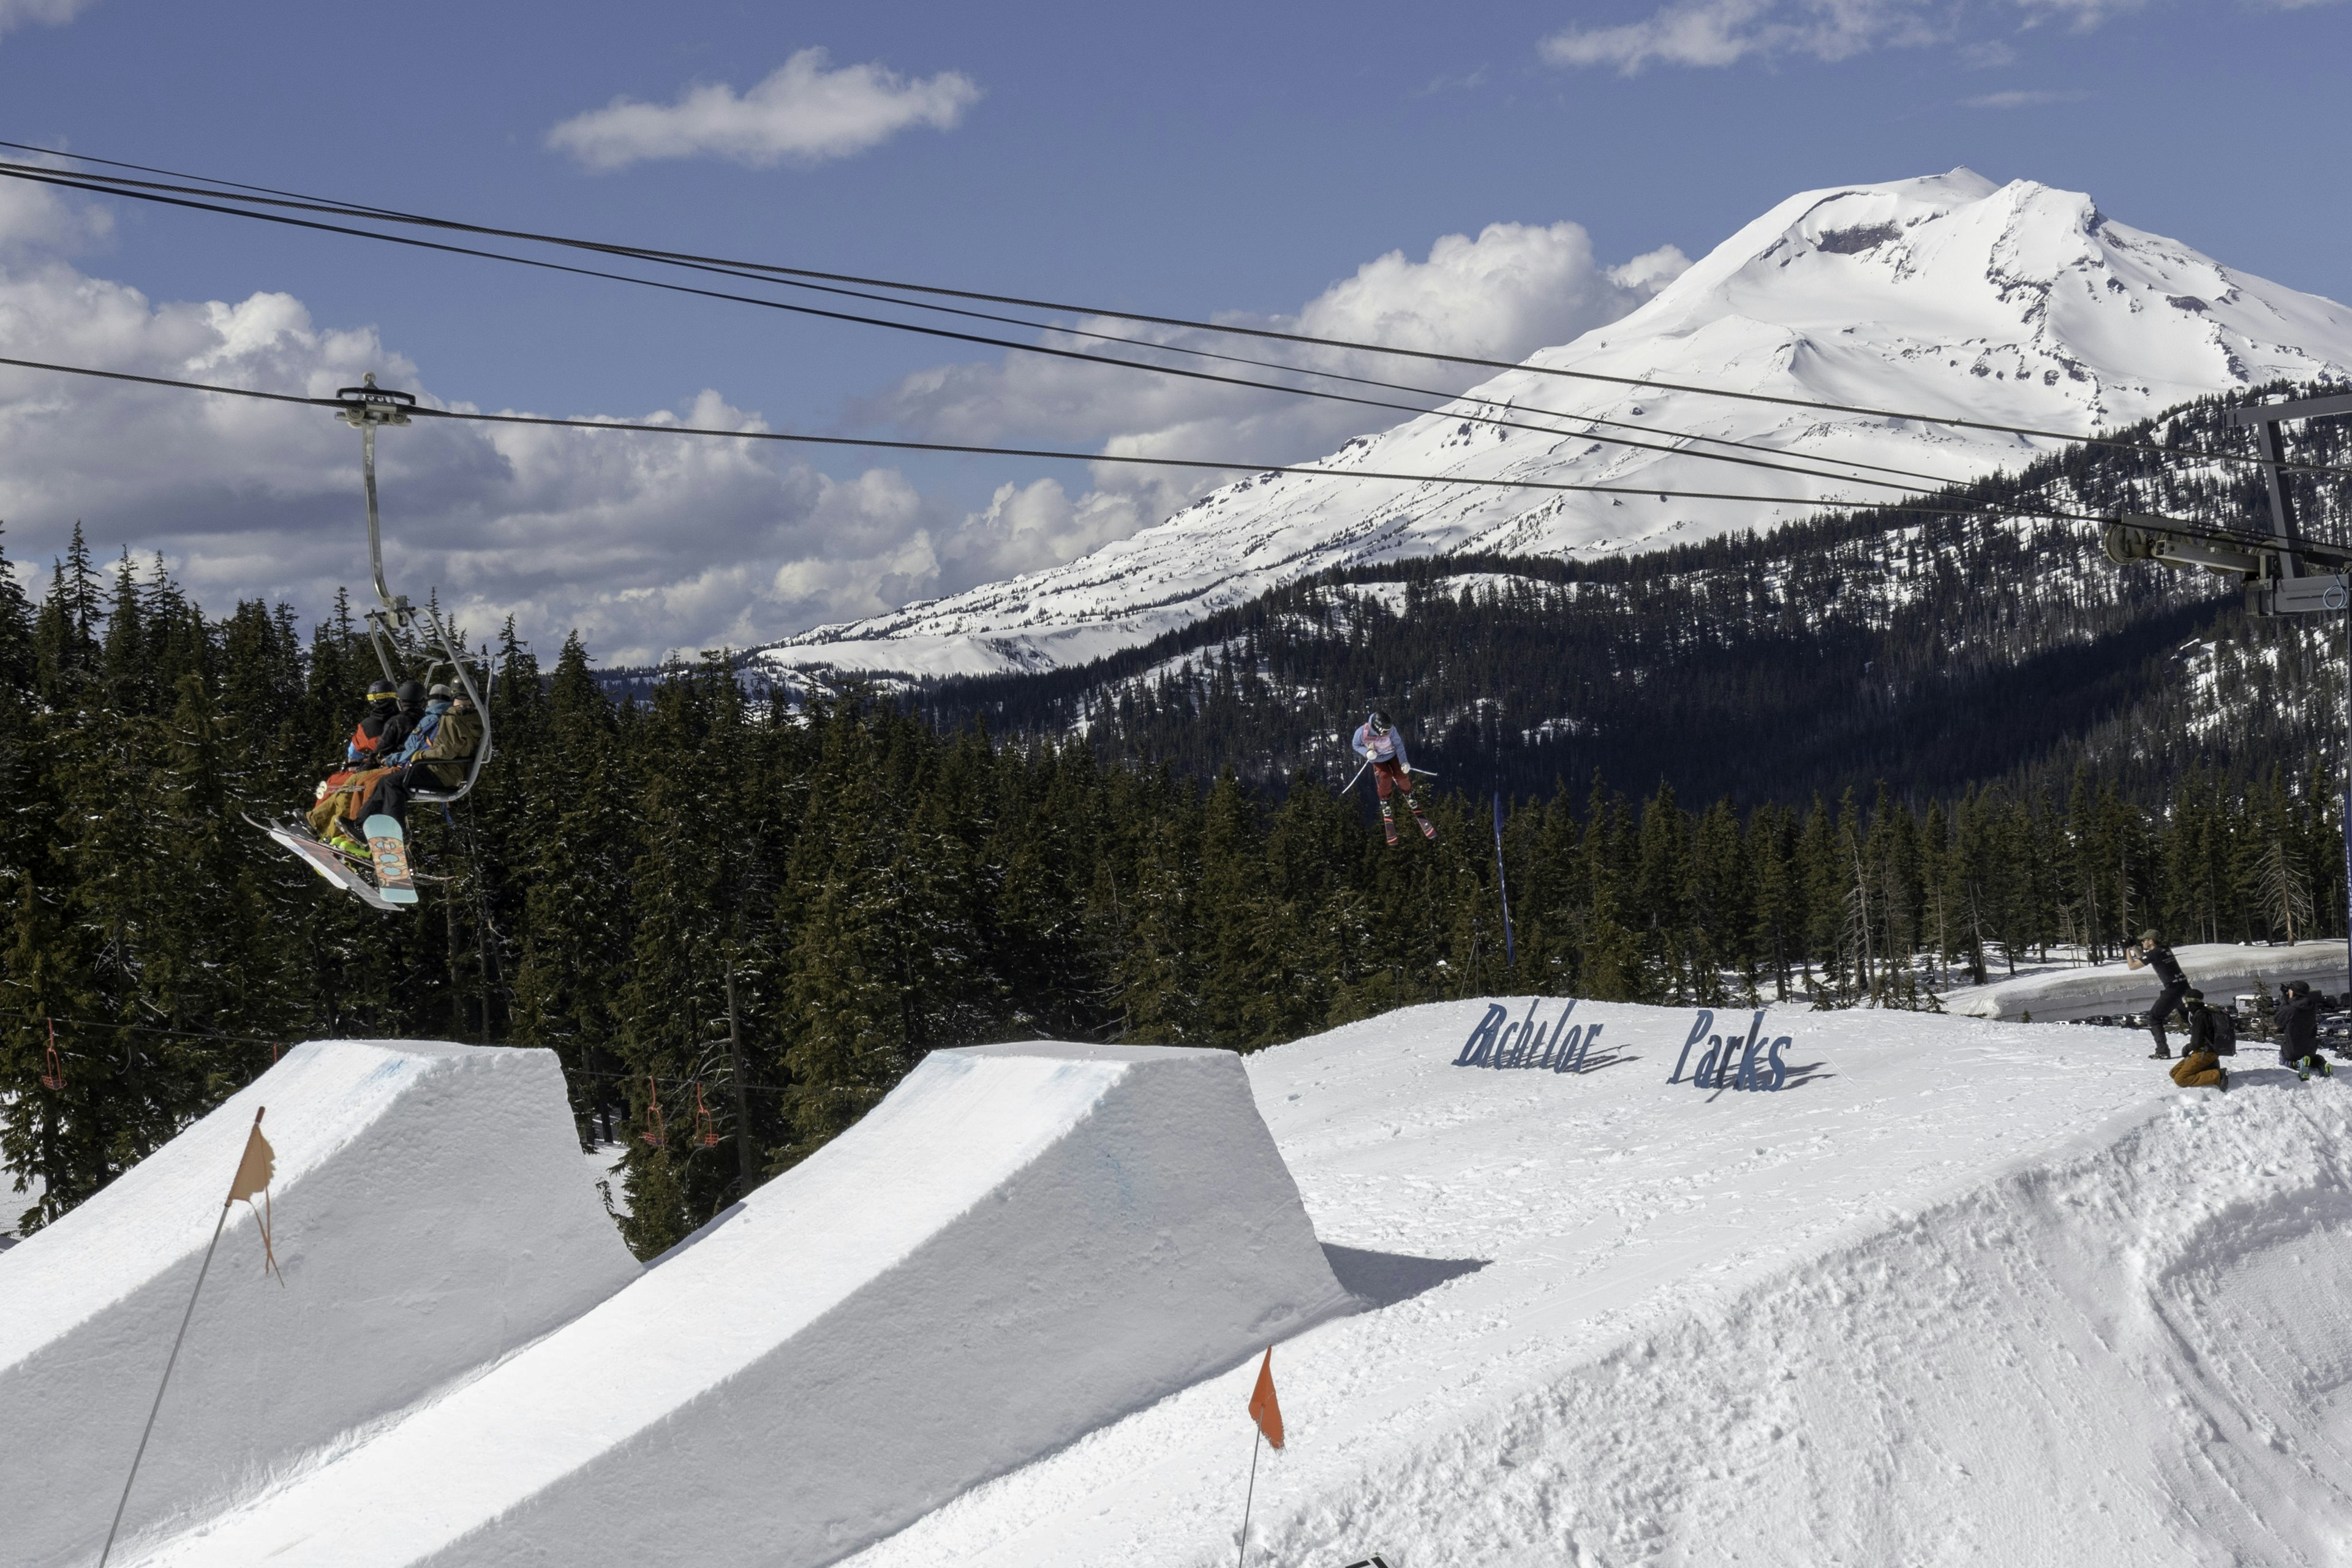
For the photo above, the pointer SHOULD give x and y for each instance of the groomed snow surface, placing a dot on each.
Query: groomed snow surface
(1960, 1293)
(430, 1216)
(1018, 1245)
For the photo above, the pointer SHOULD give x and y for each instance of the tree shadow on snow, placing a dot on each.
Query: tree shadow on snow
(1384, 1278)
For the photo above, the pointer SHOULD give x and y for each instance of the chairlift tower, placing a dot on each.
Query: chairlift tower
(2283, 574)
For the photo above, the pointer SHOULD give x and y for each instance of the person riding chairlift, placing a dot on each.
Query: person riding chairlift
(347, 798)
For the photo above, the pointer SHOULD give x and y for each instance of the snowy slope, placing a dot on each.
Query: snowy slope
(1945, 295)
(2220, 969)
(1019, 1243)
(1962, 1294)
(430, 1216)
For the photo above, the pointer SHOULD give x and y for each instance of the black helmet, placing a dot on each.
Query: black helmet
(1379, 721)
(379, 690)
(411, 692)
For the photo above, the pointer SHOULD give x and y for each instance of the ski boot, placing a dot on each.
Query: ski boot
(2161, 1054)
(2222, 1083)
(341, 842)
(2303, 1069)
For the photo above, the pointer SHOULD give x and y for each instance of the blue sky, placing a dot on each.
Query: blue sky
(1191, 159)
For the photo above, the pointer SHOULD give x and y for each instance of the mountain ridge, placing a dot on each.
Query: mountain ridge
(2041, 309)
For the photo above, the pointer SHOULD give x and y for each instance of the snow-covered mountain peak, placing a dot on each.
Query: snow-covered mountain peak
(1945, 295)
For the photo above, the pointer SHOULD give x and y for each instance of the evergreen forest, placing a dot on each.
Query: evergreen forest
(1936, 646)
(738, 921)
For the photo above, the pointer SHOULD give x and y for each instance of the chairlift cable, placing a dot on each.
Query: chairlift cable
(42, 177)
(1051, 454)
(721, 270)
(116, 185)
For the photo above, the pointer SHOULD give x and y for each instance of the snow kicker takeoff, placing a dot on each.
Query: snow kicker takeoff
(1383, 751)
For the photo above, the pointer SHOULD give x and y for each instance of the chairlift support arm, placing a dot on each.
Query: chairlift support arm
(367, 409)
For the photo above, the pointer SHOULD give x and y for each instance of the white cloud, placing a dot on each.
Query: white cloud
(1512, 288)
(651, 544)
(1724, 32)
(2083, 14)
(2025, 98)
(15, 13)
(645, 543)
(803, 113)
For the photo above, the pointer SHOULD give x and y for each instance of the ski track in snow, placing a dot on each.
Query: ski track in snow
(1963, 1292)
(1947, 295)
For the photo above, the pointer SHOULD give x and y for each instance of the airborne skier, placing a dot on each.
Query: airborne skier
(1383, 751)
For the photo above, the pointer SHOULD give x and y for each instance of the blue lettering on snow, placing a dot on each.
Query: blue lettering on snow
(1496, 1042)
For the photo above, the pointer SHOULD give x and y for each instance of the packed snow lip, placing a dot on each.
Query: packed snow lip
(430, 1218)
(1995, 1283)
(1020, 1243)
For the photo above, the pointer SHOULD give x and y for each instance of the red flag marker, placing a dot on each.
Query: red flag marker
(1267, 1413)
(1262, 1408)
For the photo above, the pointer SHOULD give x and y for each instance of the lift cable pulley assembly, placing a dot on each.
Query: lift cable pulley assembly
(402, 632)
(2284, 573)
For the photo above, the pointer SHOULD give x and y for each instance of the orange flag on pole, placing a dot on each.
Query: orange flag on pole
(253, 1176)
(1262, 1408)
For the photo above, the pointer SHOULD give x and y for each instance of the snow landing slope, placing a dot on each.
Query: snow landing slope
(430, 1218)
(1019, 1243)
(1947, 295)
(1961, 1293)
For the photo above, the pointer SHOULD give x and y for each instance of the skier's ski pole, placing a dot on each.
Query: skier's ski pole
(1356, 774)
(1425, 773)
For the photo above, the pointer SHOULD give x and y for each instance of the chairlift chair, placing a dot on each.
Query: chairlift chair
(395, 626)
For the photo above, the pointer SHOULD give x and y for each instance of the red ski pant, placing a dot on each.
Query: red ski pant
(1387, 776)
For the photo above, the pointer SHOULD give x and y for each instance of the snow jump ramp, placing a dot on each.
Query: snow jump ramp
(1019, 1244)
(430, 1216)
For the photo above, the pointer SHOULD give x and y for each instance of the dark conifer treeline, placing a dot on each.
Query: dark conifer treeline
(729, 905)
(1914, 645)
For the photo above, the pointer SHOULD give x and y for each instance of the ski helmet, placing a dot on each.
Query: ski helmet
(380, 692)
(1379, 721)
(441, 691)
(411, 692)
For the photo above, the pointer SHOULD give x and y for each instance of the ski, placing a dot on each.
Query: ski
(390, 847)
(328, 863)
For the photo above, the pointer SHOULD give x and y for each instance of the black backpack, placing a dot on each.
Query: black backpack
(2224, 1025)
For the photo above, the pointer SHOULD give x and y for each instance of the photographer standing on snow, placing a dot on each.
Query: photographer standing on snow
(2154, 955)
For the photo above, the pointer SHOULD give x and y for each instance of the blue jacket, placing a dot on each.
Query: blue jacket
(422, 736)
(1388, 748)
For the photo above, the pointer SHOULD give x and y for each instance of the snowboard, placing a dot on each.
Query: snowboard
(331, 865)
(390, 847)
